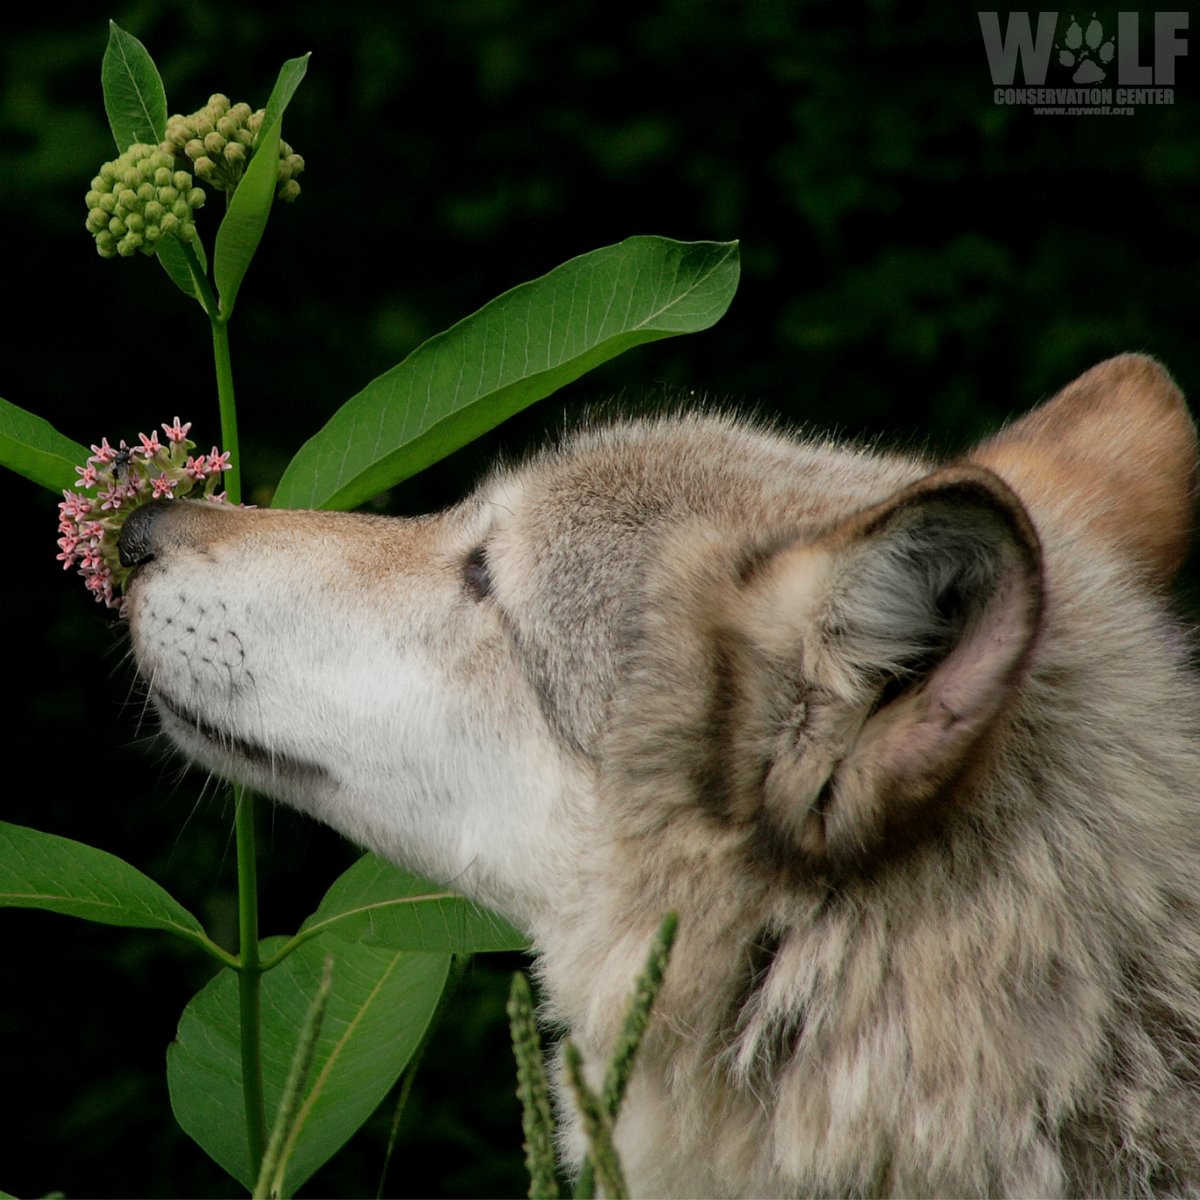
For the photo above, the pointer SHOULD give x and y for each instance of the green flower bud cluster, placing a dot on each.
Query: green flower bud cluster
(219, 140)
(137, 199)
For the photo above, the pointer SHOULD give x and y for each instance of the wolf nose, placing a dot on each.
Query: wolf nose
(135, 544)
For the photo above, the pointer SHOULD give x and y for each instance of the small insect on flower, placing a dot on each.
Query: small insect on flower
(120, 462)
(115, 482)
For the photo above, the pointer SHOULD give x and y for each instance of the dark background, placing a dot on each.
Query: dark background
(917, 263)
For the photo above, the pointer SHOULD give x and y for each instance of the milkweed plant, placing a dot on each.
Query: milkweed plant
(112, 483)
(324, 1023)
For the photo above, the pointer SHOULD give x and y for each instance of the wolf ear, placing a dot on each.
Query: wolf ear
(907, 626)
(1115, 451)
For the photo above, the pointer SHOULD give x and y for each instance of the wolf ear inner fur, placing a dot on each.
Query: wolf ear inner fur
(908, 625)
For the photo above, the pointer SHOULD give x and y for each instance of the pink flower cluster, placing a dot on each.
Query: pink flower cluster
(115, 481)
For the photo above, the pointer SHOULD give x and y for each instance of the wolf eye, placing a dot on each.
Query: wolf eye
(476, 577)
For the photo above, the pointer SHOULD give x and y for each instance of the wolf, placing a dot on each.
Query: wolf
(911, 747)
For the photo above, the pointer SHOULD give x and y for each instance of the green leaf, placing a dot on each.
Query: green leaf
(137, 112)
(42, 870)
(379, 904)
(34, 448)
(380, 1004)
(133, 91)
(246, 217)
(173, 257)
(519, 348)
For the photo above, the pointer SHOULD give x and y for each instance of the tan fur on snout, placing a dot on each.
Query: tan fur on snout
(370, 547)
(913, 749)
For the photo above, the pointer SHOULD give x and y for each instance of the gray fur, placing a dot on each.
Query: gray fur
(912, 750)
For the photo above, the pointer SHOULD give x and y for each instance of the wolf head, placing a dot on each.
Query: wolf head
(911, 749)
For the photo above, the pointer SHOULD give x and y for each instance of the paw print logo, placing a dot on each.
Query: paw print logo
(1080, 48)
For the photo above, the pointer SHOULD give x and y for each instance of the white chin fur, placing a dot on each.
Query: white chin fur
(402, 765)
